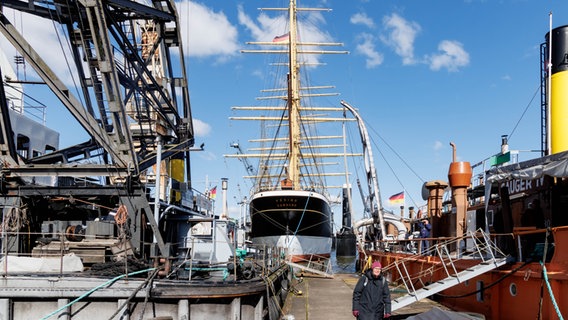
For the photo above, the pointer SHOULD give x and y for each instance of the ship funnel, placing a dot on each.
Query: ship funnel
(558, 100)
(460, 178)
(460, 171)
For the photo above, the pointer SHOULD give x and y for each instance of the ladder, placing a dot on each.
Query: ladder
(488, 255)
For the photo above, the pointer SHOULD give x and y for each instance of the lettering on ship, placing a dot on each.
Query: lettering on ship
(286, 203)
(521, 185)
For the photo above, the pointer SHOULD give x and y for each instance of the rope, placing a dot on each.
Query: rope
(108, 283)
(121, 215)
(303, 212)
(550, 292)
(301, 218)
(270, 288)
(133, 294)
(543, 274)
(146, 298)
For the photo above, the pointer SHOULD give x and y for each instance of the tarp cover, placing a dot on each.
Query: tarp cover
(555, 165)
(27, 265)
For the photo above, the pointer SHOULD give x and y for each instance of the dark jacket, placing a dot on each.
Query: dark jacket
(371, 297)
(424, 229)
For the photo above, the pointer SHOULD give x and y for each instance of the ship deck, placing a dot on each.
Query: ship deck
(330, 299)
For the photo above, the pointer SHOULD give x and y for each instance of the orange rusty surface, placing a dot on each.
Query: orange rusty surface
(506, 294)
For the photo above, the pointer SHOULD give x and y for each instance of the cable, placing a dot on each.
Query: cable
(524, 111)
(88, 293)
(133, 294)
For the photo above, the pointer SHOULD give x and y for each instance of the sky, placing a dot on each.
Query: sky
(421, 73)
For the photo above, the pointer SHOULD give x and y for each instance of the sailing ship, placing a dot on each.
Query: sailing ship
(499, 237)
(290, 202)
(112, 228)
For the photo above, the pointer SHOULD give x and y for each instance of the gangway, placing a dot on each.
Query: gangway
(488, 255)
(315, 264)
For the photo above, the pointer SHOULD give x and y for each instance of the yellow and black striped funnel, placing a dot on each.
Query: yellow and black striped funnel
(558, 89)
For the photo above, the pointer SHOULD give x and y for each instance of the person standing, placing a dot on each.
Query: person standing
(371, 296)
(425, 228)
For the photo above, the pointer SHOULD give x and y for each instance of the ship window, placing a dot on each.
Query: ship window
(23, 146)
(480, 291)
(490, 217)
(513, 289)
(49, 149)
(35, 153)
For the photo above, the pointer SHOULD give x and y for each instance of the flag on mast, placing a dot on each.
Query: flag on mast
(397, 198)
(213, 193)
(282, 38)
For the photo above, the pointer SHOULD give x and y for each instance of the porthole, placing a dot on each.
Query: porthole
(513, 289)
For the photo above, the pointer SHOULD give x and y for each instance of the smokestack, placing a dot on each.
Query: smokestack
(459, 176)
(224, 184)
(558, 100)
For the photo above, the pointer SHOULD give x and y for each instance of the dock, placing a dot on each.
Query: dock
(319, 298)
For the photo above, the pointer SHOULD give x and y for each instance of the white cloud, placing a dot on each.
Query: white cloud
(506, 77)
(452, 56)
(210, 33)
(438, 145)
(362, 18)
(367, 48)
(265, 28)
(200, 128)
(40, 33)
(401, 36)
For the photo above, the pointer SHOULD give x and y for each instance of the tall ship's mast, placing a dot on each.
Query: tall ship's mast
(290, 204)
(120, 204)
(294, 102)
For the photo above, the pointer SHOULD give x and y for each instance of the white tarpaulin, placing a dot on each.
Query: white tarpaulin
(26, 265)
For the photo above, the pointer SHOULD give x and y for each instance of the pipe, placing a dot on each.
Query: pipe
(453, 151)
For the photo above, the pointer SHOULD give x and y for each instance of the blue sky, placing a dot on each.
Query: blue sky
(421, 73)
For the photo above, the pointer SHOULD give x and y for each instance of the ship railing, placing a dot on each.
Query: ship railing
(529, 242)
(445, 259)
(59, 256)
(246, 262)
(315, 264)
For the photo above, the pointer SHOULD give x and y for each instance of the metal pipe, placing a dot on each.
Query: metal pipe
(157, 184)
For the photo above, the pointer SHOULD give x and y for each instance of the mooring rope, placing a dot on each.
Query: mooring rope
(550, 292)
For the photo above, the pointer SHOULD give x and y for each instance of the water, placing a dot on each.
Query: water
(343, 264)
